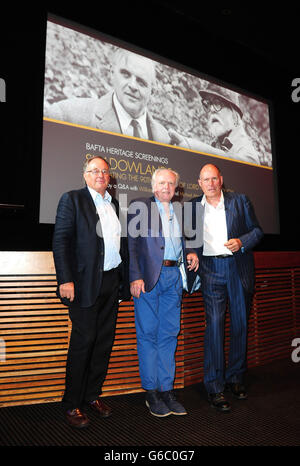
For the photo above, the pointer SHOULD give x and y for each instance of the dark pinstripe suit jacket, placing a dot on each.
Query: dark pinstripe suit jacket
(241, 223)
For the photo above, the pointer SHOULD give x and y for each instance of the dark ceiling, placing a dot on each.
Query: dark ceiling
(270, 30)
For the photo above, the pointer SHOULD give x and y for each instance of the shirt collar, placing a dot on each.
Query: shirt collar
(161, 207)
(93, 193)
(125, 119)
(220, 204)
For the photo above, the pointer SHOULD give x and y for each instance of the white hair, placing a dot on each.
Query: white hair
(159, 170)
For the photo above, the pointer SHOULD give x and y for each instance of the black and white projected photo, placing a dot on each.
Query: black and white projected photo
(141, 112)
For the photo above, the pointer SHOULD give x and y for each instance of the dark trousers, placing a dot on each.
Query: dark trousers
(220, 284)
(92, 337)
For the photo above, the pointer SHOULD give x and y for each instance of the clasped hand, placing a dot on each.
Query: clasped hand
(233, 244)
(66, 290)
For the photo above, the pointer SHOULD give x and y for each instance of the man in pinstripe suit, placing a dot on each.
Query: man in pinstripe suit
(230, 231)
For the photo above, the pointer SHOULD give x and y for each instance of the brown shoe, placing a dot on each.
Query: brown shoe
(77, 418)
(100, 407)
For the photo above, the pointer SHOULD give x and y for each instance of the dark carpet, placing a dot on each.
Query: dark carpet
(270, 417)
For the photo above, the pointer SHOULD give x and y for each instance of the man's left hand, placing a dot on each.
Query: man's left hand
(234, 244)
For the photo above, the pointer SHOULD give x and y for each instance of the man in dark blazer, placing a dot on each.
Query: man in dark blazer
(91, 260)
(230, 231)
(123, 110)
(156, 248)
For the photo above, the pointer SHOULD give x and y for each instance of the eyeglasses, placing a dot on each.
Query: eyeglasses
(97, 171)
(213, 104)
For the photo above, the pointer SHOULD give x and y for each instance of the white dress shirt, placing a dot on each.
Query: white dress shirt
(111, 229)
(214, 228)
(125, 120)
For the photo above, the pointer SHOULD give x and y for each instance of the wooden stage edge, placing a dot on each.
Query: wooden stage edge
(35, 328)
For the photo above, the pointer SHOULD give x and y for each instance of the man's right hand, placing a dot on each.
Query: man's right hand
(136, 287)
(66, 290)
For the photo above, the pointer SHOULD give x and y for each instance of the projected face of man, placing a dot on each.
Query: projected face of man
(132, 77)
(164, 186)
(97, 176)
(211, 181)
(222, 121)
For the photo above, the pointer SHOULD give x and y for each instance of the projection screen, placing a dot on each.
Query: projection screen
(87, 108)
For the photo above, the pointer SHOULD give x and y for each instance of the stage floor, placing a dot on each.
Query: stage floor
(270, 417)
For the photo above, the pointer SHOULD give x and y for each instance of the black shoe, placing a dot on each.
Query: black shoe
(238, 390)
(170, 401)
(156, 405)
(218, 401)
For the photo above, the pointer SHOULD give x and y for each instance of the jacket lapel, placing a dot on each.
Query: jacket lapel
(153, 216)
(105, 116)
(230, 214)
(90, 211)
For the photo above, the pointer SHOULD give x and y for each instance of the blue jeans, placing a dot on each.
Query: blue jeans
(157, 321)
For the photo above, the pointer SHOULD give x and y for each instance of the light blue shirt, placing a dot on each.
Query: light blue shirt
(110, 229)
(171, 232)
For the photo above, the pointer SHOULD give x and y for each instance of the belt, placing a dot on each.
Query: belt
(110, 270)
(221, 256)
(168, 263)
